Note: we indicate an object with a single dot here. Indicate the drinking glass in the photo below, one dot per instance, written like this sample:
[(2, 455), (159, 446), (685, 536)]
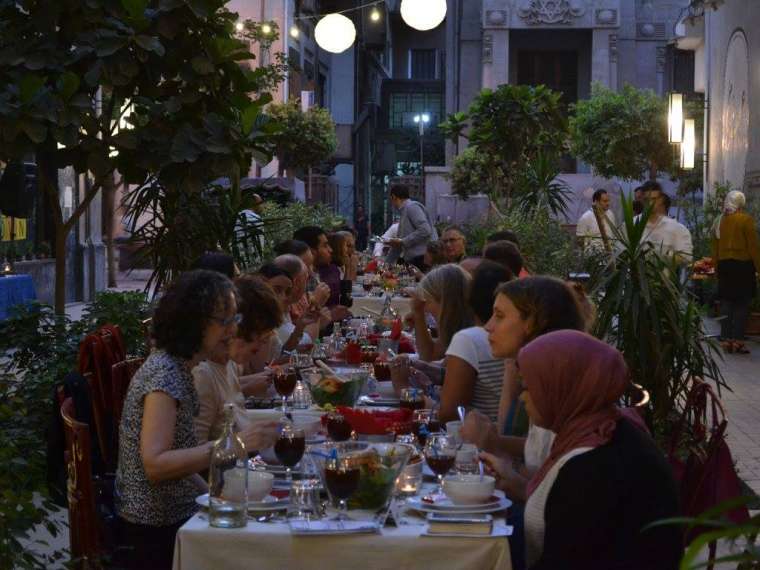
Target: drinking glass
[(305, 498), (285, 379), (289, 448), (424, 423), (342, 480), (338, 427), (440, 454), (411, 398)]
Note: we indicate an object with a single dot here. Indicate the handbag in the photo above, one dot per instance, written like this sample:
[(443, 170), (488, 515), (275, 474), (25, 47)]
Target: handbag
[(706, 476)]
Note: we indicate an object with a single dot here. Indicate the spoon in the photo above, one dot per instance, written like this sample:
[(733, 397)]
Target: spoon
[(460, 412), (480, 470)]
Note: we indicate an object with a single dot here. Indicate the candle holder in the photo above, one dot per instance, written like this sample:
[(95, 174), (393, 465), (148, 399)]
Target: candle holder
[(409, 481), (7, 268)]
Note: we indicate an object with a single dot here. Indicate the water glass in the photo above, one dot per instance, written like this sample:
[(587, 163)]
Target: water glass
[(304, 499)]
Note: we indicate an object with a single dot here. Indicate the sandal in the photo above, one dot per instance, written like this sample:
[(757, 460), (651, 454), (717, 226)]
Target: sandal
[(740, 348)]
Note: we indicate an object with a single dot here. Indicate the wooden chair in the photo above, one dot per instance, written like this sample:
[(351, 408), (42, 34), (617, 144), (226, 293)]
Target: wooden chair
[(121, 375), (83, 522)]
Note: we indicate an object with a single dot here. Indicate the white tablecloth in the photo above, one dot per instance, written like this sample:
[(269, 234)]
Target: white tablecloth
[(402, 305), (270, 546)]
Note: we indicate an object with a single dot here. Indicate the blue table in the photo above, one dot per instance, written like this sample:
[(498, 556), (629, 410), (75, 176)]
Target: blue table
[(14, 290)]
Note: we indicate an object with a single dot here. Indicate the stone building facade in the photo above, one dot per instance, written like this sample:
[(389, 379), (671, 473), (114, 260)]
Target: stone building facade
[(565, 44)]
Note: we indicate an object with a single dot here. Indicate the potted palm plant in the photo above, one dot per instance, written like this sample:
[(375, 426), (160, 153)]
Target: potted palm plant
[(646, 311)]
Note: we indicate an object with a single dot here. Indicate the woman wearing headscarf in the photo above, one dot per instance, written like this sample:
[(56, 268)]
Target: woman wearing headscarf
[(604, 480), (737, 259)]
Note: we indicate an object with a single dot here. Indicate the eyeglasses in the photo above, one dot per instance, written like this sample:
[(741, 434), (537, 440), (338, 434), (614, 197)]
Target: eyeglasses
[(225, 322), (452, 240)]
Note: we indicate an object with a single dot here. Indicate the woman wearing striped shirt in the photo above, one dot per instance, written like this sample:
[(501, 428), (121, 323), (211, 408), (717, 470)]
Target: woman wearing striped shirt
[(473, 375)]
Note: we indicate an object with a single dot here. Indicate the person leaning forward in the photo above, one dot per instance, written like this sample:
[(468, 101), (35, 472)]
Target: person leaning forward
[(415, 229)]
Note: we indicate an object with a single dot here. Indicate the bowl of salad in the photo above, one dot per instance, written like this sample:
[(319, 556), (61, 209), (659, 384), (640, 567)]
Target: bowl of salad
[(337, 390)]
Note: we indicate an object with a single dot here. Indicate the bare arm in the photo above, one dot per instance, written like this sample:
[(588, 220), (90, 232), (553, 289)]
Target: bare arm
[(161, 462), (458, 387)]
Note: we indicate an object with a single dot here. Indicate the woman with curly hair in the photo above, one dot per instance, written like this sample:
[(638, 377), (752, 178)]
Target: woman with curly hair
[(157, 479)]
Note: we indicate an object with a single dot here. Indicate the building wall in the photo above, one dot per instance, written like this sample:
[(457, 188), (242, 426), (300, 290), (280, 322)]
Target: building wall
[(732, 49)]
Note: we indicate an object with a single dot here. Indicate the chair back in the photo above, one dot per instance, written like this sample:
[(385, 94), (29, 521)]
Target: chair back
[(83, 523), (98, 352), (121, 375)]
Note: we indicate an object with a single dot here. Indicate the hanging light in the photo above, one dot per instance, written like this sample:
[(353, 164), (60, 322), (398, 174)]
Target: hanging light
[(239, 26), (423, 14), (689, 144), (266, 29), (374, 15), (294, 32), (335, 33), (675, 118)]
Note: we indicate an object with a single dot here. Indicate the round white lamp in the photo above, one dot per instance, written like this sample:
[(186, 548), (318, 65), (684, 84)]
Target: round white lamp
[(423, 15), (335, 33)]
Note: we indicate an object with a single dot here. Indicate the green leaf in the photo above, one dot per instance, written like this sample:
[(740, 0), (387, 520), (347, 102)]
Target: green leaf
[(99, 163), (199, 7), (68, 84), (135, 8), (109, 45), (253, 111), (29, 87), (150, 43), (202, 65)]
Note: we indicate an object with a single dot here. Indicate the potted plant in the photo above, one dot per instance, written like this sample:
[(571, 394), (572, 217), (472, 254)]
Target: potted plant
[(43, 250)]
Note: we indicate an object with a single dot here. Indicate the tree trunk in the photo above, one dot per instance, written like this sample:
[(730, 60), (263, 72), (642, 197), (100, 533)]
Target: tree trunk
[(653, 171), (109, 226), (47, 177)]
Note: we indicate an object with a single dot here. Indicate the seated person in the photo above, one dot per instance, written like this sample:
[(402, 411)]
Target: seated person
[(218, 261), (508, 254), (157, 479), (454, 244), (605, 480), (473, 377), (218, 379), (503, 235)]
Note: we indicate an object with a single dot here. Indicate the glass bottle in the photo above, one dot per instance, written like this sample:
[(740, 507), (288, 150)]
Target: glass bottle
[(387, 315), (228, 477)]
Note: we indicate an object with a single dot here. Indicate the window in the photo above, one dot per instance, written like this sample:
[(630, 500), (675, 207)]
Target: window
[(423, 64), (404, 106)]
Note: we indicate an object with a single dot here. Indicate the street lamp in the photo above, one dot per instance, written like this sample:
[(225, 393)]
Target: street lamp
[(421, 120), (689, 145), (675, 118)]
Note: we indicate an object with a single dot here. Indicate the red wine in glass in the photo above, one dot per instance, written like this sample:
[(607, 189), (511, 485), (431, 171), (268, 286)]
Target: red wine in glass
[(338, 427), (382, 371), (412, 404), (289, 449), (433, 425), (441, 464), (342, 483), (285, 382), (367, 286)]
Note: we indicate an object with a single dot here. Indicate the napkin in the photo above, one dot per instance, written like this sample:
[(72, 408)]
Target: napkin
[(498, 531), (310, 527)]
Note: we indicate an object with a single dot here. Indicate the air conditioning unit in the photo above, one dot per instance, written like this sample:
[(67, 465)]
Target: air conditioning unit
[(308, 100)]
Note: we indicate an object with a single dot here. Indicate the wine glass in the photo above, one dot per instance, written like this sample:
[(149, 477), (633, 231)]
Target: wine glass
[(285, 379), (424, 423), (342, 480), (412, 399), (338, 427), (440, 454), (289, 448)]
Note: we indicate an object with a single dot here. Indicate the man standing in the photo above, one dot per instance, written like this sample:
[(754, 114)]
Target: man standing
[(454, 243), (587, 231), (666, 234), (415, 229), (361, 224), (249, 230)]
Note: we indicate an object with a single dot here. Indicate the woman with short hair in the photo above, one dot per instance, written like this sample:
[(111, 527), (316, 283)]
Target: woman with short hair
[(157, 478)]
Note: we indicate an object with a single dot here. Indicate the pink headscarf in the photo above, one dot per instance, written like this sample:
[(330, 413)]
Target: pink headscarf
[(575, 382)]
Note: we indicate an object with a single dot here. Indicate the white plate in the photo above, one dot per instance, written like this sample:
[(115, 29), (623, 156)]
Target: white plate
[(417, 504), (270, 503), (381, 401)]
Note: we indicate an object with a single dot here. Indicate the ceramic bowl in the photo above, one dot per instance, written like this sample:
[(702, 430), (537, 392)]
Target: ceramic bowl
[(469, 489), (259, 485)]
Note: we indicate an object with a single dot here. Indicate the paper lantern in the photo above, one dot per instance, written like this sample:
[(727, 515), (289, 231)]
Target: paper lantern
[(675, 118), (423, 15), (335, 33), (689, 144)]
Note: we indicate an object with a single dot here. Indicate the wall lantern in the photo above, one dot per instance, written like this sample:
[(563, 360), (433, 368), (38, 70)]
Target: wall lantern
[(689, 145), (675, 118), (423, 15)]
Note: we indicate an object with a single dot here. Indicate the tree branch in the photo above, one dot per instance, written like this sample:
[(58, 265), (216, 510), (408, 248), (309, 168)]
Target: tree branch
[(84, 204)]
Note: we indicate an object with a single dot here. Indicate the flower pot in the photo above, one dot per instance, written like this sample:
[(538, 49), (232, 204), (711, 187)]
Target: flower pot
[(753, 324)]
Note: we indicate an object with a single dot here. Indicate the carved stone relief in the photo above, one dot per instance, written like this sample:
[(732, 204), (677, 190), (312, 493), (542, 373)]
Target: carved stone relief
[(735, 116), (661, 58), (496, 19), (613, 48), (551, 11), (487, 48)]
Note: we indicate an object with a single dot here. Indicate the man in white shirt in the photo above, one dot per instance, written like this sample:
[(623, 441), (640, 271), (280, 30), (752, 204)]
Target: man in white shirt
[(587, 231), (666, 234)]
